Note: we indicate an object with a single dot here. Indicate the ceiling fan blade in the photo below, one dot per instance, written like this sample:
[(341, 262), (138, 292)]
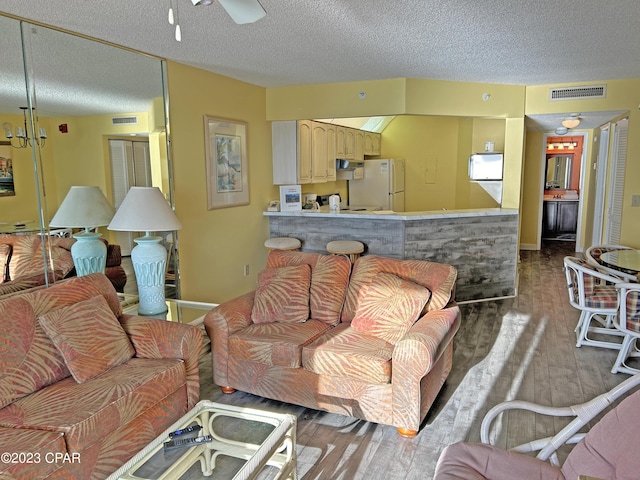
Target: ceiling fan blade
[(243, 11)]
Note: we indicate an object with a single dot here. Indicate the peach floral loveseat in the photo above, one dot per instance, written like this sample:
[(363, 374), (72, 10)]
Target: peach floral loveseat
[(84, 387), (375, 343)]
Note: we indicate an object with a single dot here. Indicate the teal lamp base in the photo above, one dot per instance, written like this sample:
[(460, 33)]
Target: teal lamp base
[(89, 253), (149, 260)]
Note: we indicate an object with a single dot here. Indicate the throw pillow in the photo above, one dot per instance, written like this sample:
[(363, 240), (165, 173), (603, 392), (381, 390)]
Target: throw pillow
[(5, 253), (282, 295), (389, 306), (88, 336)]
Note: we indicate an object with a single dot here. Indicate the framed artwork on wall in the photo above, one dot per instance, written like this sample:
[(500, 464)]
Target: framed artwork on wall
[(226, 162), (7, 187)]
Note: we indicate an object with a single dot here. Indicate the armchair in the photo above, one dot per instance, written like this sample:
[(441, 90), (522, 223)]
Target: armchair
[(593, 254), (605, 452), (594, 294), (627, 322)]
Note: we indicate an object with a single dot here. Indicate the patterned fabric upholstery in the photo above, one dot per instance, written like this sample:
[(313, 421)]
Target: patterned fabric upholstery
[(18, 440), (329, 280), (344, 352), (389, 306), (87, 356), (275, 343), (602, 296), (633, 311), (438, 278), (282, 295), (110, 417), (338, 369)]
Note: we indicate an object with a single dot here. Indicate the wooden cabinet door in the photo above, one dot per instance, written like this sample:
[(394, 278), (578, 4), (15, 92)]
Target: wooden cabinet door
[(340, 142), (368, 143), (549, 218), (349, 143), (375, 144), (318, 152), (331, 152), (567, 217), (358, 152), (304, 151)]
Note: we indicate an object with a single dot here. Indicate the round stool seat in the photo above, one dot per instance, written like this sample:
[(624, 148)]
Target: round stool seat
[(283, 243), (349, 248)]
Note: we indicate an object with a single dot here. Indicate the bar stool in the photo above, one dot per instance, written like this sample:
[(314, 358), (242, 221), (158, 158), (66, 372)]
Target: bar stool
[(348, 248), (283, 243)]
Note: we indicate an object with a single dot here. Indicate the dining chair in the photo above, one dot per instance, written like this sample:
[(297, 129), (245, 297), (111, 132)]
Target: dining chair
[(628, 323), (607, 450), (594, 294), (593, 254)]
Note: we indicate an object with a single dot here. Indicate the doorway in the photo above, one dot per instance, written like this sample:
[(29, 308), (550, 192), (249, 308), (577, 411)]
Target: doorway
[(562, 187)]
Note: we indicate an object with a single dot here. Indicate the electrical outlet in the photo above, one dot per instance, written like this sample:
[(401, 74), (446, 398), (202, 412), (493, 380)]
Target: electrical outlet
[(245, 270), (635, 200)]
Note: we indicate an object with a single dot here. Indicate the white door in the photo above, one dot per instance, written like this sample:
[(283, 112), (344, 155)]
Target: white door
[(397, 178), (601, 185), (130, 166), (616, 190)]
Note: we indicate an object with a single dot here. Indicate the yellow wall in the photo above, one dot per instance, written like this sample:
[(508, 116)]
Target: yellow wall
[(214, 245)]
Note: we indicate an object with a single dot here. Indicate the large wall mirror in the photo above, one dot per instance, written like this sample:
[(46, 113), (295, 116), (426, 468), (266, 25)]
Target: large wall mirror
[(102, 110)]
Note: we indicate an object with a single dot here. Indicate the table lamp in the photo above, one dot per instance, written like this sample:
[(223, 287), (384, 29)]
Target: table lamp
[(144, 209), (85, 207)]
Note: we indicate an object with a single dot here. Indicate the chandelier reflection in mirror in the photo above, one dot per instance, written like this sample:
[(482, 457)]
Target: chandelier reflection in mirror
[(22, 133)]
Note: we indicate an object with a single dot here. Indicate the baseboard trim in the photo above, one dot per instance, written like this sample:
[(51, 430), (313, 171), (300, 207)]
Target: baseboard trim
[(529, 246)]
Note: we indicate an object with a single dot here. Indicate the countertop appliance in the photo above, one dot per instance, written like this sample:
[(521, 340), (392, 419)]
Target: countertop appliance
[(382, 185)]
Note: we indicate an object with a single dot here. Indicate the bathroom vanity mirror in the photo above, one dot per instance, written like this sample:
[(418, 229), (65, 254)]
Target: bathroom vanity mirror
[(558, 171)]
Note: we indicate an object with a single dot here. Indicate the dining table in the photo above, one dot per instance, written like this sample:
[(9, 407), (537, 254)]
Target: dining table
[(627, 260)]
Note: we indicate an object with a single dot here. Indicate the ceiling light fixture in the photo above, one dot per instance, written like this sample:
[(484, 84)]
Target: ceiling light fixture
[(572, 121), (22, 133), (561, 130)]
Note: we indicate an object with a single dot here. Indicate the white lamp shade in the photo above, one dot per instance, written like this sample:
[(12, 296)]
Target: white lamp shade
[(144, 209), (83, 207)]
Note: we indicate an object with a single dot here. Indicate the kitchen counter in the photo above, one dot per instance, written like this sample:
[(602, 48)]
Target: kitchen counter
[(481, 243)]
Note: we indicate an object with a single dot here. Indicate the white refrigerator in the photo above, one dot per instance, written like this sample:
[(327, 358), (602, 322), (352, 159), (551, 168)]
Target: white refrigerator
[(382, 185)]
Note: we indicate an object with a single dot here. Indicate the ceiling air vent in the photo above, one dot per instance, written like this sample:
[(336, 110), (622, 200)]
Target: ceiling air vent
[(124, 120), (577, 93)]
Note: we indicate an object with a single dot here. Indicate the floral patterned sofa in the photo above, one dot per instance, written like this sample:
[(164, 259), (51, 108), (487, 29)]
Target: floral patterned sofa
[(83, 386), (374, 343), (21, 262)]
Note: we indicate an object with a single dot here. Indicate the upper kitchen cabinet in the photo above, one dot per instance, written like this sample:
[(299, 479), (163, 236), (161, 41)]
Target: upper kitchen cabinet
[(332, 152), (371, 143), (358, 149), (349, 143), (303, 152), (340, 141)]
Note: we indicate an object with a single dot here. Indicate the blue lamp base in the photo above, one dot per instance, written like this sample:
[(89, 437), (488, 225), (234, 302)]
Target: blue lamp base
[(149, 260), (89, 253)]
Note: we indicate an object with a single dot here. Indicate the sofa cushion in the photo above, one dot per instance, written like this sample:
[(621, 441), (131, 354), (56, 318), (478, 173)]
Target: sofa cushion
[(282, 295), (88, 355), (344, 352), (437, 277), (329, 280), (388, 307), (5, 253), (87, 412), (37, 450), (275, 343)]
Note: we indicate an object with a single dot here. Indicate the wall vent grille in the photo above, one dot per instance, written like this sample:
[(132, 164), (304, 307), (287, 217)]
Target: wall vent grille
[(577, 93), (131, 120)]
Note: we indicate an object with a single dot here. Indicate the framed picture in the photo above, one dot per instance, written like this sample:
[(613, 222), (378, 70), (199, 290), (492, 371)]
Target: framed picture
[(226, 160), (7, 188)]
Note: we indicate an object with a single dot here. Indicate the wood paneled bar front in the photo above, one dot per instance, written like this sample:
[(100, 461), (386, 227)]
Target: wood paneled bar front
[(481, 243)]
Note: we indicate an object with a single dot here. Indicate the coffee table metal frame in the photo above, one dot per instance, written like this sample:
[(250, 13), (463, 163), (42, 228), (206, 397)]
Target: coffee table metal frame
[(278, 449)]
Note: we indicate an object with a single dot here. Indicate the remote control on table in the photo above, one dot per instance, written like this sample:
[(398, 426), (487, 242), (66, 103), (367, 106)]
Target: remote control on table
[(192, 428), (187, 442)]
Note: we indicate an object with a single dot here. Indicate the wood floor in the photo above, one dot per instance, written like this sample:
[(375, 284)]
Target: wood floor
[(518, 348)]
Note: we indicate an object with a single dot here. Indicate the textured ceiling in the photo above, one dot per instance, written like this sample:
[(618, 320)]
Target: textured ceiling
[(302, 42)]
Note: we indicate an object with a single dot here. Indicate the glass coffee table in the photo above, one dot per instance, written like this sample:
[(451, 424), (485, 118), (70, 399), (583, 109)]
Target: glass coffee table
[(244, 443)]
